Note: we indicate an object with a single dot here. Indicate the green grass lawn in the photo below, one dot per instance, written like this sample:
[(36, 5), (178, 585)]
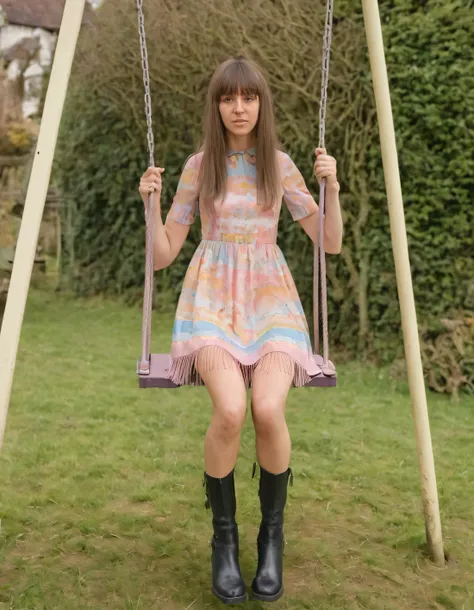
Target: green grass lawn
[(102, 504)]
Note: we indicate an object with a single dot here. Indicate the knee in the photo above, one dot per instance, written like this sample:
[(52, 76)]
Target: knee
[(267, 415), (228, 421)]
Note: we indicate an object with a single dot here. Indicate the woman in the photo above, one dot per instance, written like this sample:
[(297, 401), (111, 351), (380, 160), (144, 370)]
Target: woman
[(239, 320)]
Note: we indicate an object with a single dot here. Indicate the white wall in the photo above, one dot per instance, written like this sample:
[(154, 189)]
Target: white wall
[(33, 73)]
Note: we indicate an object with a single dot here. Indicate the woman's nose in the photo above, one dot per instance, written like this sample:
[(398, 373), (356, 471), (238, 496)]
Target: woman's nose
[(239, 105)]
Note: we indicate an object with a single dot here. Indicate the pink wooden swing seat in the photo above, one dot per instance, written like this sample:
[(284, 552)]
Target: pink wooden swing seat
[(160, 364)]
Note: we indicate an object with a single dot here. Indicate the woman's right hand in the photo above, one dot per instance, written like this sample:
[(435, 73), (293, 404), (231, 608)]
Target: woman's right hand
[(151, 182)]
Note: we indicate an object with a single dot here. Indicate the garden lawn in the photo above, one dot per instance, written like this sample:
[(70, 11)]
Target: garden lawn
[(101, 498)]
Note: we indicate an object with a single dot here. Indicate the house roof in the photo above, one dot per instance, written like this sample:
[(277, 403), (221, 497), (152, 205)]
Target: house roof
[(44, 14)]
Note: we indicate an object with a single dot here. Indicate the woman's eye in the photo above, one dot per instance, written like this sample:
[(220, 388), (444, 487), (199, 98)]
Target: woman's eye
[(250, 98)]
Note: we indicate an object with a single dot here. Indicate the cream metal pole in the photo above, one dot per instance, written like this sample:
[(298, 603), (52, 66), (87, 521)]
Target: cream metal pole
[(35, 199), (404, 282)]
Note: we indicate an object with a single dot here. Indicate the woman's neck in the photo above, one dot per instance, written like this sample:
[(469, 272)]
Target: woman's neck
[(240, 142)]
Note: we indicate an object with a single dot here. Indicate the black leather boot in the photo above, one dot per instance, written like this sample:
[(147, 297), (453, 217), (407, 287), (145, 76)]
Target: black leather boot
[(227, 582), (268, 583)]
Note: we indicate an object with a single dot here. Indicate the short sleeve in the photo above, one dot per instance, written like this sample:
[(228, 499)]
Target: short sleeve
[(183, 208), (297, 197)]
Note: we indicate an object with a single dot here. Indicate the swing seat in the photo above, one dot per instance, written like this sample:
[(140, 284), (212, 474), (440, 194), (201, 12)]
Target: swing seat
[(160, 365)]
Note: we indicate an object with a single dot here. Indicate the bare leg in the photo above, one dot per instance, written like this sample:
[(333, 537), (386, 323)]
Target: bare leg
[(225, 384), (223, 379), (270, 385)]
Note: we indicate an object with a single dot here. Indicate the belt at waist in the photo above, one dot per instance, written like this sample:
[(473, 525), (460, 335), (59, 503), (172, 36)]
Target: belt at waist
[(237, 238)]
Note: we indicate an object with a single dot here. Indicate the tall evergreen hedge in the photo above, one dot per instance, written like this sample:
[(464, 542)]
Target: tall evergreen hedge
[(102, 150)]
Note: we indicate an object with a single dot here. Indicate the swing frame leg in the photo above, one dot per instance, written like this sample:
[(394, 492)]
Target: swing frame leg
[(35, 200), (416, 381)]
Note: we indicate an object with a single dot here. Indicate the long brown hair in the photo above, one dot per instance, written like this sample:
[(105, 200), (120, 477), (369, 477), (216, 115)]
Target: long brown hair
[(238, 75)]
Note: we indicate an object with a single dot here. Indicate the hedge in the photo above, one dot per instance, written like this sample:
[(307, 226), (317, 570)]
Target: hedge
[(102, 149)]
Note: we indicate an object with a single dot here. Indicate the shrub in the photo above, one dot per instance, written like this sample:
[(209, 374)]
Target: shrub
[(103, 146)]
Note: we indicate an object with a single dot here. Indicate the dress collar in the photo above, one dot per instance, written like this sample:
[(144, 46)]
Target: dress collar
[(248, 151)]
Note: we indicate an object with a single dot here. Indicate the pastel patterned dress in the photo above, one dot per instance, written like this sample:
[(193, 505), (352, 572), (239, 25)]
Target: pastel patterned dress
[(238, 292)]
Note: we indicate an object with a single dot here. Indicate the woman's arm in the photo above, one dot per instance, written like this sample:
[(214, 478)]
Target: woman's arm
[(169, 237), (304, 208), (326, 167), (332, 222), (168, 240)]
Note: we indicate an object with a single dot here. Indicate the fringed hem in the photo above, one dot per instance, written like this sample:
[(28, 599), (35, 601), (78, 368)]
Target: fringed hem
[(183, 369)]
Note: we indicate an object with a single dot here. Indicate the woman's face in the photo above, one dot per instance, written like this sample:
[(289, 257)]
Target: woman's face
[(239, 113)]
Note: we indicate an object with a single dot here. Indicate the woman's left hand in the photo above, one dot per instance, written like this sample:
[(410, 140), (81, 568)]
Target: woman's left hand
[(325, 167)]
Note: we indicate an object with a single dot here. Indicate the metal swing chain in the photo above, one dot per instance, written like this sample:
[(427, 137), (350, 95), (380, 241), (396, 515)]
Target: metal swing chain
[(146, 82), (319, 253), (144, 367)]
